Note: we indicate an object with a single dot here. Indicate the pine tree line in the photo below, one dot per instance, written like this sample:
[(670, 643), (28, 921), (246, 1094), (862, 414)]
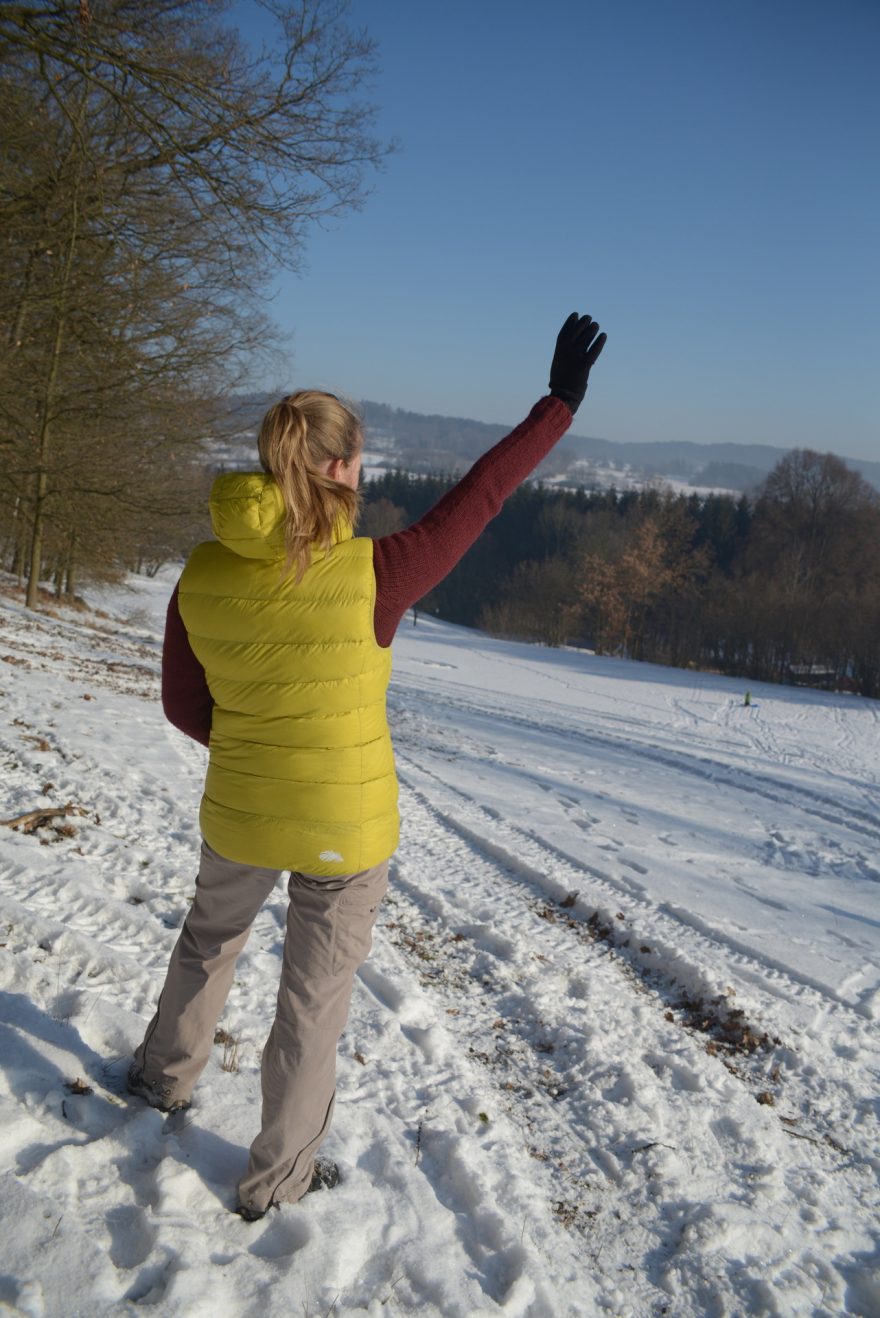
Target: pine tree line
[(782, 586)]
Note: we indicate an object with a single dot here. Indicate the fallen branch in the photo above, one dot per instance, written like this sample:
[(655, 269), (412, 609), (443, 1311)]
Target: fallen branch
[(31, 820)]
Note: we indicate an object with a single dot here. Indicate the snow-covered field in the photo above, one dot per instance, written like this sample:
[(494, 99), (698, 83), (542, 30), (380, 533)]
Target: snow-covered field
[(615, 1050)]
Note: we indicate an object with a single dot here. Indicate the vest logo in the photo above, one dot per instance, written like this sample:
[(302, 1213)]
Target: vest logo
[(330, 855)]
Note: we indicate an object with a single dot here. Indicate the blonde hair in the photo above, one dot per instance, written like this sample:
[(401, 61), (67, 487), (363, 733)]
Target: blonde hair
[(297, 436)]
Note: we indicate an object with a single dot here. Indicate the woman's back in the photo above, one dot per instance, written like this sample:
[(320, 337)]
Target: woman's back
[(301, 774)]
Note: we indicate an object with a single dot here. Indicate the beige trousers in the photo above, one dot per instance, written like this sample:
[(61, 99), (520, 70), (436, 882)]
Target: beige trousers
[(329, 928)]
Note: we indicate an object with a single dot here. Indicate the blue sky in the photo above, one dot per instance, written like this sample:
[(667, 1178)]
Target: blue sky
[(699, 175)]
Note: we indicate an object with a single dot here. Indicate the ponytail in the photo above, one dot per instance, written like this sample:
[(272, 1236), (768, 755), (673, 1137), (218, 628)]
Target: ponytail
[(297, 435)]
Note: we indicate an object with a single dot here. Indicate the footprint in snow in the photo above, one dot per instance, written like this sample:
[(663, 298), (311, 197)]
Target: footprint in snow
[(484, 937), (606, 843), (381, 987), (285, 1233), (131, 1236), (634, 865), (681, 1077)]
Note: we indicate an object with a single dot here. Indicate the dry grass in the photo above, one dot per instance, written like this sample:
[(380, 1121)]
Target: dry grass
[(230, 1049)]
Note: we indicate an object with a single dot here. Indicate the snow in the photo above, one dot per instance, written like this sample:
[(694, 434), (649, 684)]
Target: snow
[(585, 473), (614, 1052)]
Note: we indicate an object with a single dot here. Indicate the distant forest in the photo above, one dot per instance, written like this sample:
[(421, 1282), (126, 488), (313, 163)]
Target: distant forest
[(783, 586)]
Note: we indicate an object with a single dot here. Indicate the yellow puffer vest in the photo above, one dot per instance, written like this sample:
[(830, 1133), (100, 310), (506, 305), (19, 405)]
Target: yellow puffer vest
[(301, 772)]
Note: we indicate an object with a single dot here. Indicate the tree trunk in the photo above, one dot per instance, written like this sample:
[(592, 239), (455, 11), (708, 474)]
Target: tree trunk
[(13, 544), (33, 586), (70, 581), (45, 435)]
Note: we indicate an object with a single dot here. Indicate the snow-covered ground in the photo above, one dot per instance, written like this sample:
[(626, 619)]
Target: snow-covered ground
[(615, 1050)]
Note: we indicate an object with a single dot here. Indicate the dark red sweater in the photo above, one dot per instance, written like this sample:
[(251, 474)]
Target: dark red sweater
[(407, 564)]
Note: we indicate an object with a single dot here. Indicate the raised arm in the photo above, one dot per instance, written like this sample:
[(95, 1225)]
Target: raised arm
[(410, 563)]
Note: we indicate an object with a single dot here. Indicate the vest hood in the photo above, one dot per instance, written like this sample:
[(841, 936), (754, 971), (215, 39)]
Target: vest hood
[(247, 515)]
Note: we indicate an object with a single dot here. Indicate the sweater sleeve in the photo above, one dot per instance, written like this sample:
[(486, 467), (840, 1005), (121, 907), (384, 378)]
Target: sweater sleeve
[(410, 563), (186, 700)]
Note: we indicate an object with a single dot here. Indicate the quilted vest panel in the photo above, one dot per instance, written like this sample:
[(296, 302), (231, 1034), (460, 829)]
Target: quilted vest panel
[(301, 770)]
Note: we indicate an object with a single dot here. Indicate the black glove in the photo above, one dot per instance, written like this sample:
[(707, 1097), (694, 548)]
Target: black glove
[(576, 351)]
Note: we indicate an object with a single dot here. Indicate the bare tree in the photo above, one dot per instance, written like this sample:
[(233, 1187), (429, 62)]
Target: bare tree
[(381, 517), (539, 602), (155, 173), (815, 542)]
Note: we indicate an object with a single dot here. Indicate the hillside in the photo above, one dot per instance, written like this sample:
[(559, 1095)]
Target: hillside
[(418, 442), (615, 1050)]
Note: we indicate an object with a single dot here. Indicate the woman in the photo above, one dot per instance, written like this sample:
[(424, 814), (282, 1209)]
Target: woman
[(277, 656)]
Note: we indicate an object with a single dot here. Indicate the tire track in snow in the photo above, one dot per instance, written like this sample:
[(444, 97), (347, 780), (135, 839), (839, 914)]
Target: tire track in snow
[(534, 857), (805, 799), (638, 1098), (765, 737), (670, 954), (124, 927), (94, 945)]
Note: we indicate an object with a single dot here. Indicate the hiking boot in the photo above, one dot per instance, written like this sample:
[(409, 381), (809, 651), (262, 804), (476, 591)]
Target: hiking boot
[(324, 1177), (157, 1098)]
